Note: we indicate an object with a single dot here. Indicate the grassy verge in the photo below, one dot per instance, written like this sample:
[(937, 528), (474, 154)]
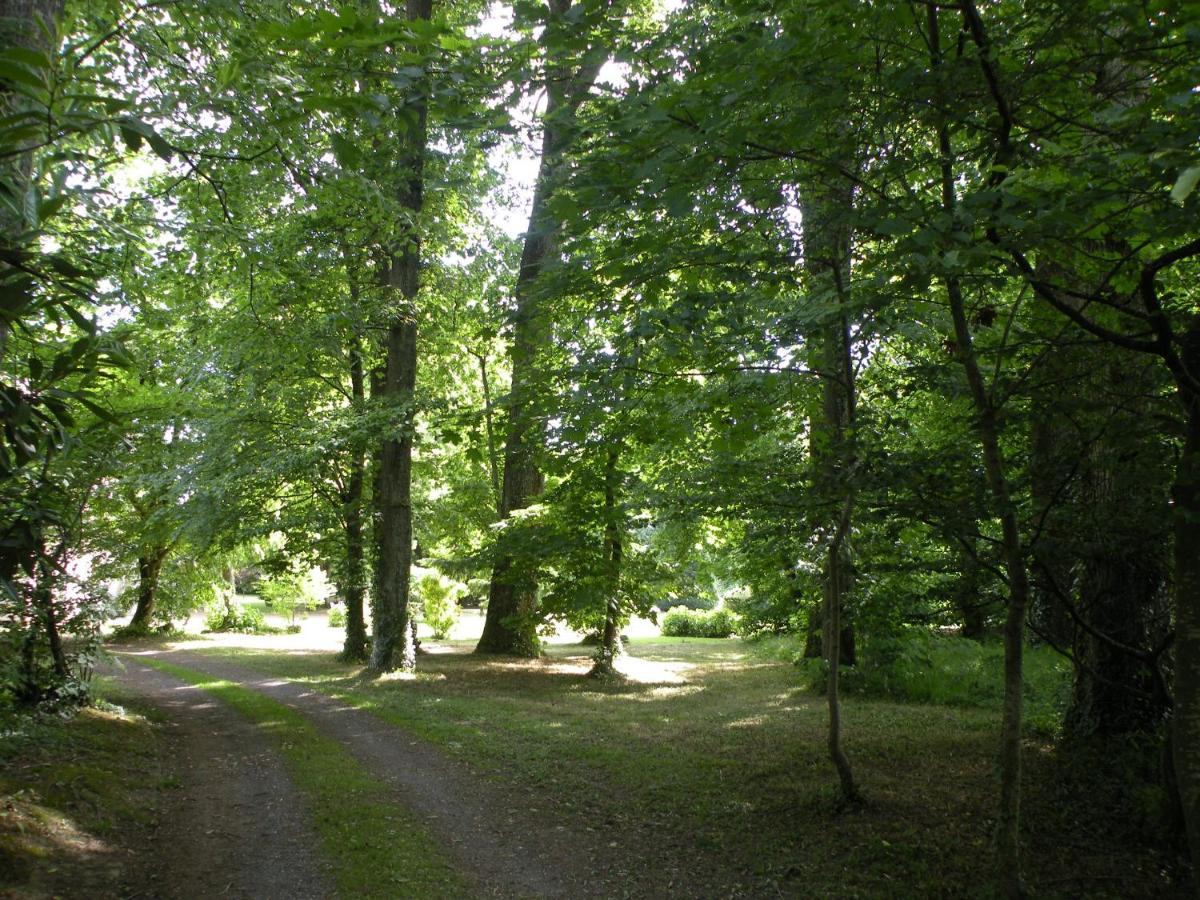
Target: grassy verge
[(74, 793), (379, 850), (713, 765)]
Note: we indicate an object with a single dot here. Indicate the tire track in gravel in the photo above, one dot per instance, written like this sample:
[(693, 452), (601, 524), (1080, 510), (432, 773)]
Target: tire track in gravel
[(236, 826), (489, 830)]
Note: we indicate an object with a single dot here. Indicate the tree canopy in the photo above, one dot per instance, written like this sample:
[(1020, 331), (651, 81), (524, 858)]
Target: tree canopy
[(857, 320)]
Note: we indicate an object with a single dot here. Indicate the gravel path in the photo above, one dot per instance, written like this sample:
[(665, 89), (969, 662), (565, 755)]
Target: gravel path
[(236, 827), (491, 832)]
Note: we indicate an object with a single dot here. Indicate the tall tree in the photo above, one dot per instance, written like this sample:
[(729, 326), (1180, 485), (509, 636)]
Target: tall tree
[(511, 626), (827, 212), (394, 646)]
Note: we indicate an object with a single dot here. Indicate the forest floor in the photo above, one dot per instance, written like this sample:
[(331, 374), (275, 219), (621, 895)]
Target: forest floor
[(702, 774)]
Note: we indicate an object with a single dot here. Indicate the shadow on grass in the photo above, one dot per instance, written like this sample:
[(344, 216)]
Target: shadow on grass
[(722, 769)]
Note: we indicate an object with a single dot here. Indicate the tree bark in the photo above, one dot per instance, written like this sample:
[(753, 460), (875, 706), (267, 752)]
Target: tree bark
[(394, 647), (610, 638), (149, 569), (510, 626), (1185, 723), (826, 211), (43, 601), (354, 649)]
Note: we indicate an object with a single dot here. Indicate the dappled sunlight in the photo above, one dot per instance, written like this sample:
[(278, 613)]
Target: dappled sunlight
[(393, 677), (550, 665), (650, 671), (748, 722), (30, 828)]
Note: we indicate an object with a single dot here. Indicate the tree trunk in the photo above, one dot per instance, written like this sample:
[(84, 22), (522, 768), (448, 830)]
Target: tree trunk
[(510, 626), (610, 638), (354, 649), (1114, 691), (1008, 823), (1050, 470), (972, 609), (393, 647), (1008, 820), (1186, 715), (826, 212), (43, 601), (149, 568), (1100, 493)]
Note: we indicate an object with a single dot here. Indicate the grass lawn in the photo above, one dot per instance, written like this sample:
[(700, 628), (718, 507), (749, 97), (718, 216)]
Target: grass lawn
[(711, 762)]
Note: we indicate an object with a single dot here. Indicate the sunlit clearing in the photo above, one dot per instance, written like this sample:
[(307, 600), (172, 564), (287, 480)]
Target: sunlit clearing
[(398, 675), (646, 671)]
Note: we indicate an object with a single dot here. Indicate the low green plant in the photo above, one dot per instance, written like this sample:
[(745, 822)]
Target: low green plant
[(165, 632), (337, 616), (288, 594), (438, 597), (685, 601), (236, 618), (921, 666), (765, 613), (680, 621)]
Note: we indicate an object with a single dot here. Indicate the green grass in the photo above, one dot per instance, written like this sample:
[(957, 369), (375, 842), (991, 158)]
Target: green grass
[(719, 767), (67, 784), (923, 667), (378, 849)]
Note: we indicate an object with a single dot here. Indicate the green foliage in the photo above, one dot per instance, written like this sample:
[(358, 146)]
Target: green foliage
[(237, 618), (685, 601), (437, 597), (337, 616), (923, 667), (683, 622), (758, 613), (165, 632), (288, 594)]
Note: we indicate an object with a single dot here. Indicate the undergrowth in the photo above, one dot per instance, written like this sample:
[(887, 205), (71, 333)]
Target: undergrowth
[(919, 666)]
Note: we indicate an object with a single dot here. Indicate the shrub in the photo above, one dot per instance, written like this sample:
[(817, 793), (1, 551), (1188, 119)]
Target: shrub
[(242, 619), (765, 613), (438, 598), (288, 593), (685, 602), (682, 622), (167, 632), (337, 616)]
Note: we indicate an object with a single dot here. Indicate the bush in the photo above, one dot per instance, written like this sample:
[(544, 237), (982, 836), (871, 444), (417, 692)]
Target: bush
[(685, 602), (288, 593), (682, 622), (166, 632), (241, 619), (337, 616), (765, 613), (438, 599)]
